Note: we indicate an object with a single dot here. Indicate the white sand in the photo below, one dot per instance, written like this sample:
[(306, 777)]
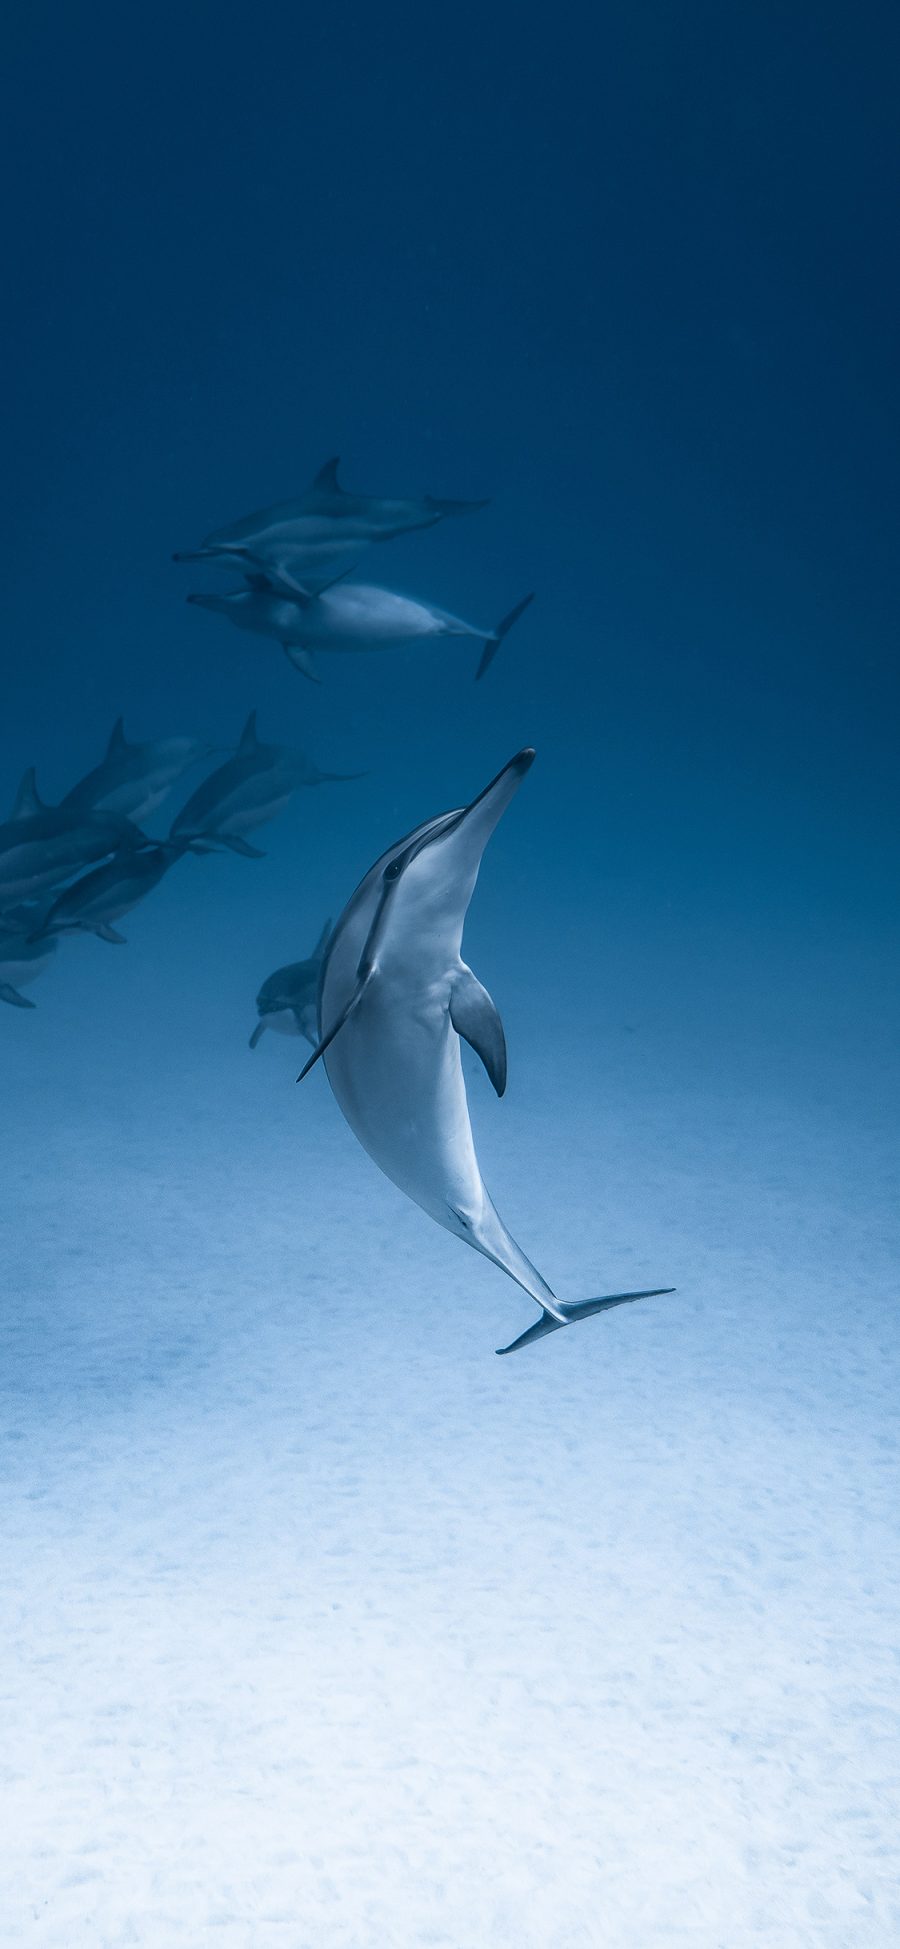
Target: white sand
[(323, 1628)]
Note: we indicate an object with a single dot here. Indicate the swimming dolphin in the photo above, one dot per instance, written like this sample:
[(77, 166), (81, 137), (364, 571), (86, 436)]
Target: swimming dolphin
[(134, 778), (253, 786), (394, 1000), (41, 846), (288, 1000), (347, 616), (311, 536), (21, 958), (93, 903)]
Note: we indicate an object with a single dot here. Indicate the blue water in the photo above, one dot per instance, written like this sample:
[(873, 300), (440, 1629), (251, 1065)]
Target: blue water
[(323, 1626)]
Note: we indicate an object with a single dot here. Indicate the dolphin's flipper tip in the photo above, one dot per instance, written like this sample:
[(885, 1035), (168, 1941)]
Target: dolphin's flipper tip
[(581, 1309)]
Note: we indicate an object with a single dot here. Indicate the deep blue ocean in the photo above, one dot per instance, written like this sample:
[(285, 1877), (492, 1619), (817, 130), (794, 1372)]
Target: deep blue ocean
[(323, 1627)]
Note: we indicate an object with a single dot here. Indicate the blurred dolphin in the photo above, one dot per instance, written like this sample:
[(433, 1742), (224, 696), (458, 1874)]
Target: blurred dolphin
[(347, 616), (288, 1000), (310, 536), (253, 786), (41, 846), (394, 1000), (134, 778), (93, 903), (21, 958)]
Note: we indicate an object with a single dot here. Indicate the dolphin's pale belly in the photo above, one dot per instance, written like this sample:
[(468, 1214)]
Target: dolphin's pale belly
[(242, 814), (395, 1070), (28, 966), (360, 617), (134, 799)]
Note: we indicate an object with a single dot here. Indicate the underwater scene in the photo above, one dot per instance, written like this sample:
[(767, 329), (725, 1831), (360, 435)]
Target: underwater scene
[(448, 897)]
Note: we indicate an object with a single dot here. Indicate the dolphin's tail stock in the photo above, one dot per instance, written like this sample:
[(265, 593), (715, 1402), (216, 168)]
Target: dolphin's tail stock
[(493, 642), (581, 1309), (441, 509)]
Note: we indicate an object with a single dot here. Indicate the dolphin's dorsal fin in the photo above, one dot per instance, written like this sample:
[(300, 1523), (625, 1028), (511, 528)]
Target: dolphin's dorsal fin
[(27, 802), (326, 480), (322, 942), (117, 738), (475, 1018), (249, 739)]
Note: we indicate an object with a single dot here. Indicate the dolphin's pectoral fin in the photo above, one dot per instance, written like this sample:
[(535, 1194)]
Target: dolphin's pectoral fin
[(238, 845), (581, 1309), (259, 1030), (10, 994), (302, 660), (336, 1027), (264, 574), (475, 1018), (104, 932)]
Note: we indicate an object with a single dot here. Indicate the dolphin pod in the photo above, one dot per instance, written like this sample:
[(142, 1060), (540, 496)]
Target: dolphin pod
[(395, 999), (78, 867)]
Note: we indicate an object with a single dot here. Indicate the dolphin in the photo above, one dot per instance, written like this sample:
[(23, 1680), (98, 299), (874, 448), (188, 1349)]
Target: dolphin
[(41, 846), (253, 786), (323, 528), (347, 616), (21, 958), (134, 778), (288, 1000), (93, 903), (395, 998)]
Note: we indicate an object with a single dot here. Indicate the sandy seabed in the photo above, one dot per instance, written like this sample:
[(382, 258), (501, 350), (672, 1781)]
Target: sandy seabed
[(324, 1628)]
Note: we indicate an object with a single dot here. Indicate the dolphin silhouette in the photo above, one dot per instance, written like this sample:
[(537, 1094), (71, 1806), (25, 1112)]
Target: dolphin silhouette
[(253, 786), (21, 958), (288, 999), (324, 527), (41, 845), (394, 1000), (346, 616), (134, 778), (91, 905)]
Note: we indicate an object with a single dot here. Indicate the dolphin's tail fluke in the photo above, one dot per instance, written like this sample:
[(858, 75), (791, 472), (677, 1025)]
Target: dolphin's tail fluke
[(582, 1309), (503, 628)]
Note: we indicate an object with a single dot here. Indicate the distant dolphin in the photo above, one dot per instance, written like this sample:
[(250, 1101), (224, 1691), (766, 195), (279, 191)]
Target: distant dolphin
[(288, 1000), (93, 903), (135, 778), (21, 958), (394, 1000), (252, 787), (311, 536), (347, 616), (41, 846)]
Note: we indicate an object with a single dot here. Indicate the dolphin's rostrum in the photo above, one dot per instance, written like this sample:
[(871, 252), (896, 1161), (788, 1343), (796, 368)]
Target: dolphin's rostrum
[(395, 998), (288, 999)]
